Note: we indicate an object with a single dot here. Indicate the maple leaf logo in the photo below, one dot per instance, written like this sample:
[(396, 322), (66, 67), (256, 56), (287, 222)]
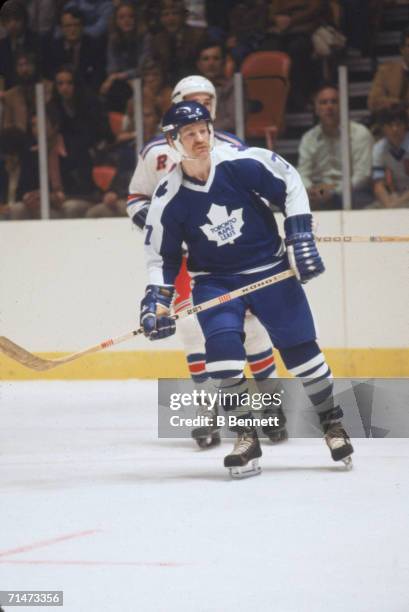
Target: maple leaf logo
[(162, 189), (223, 228)]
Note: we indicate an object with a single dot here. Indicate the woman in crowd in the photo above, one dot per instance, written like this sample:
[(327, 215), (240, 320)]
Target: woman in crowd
[(83, 128), (128, 49)]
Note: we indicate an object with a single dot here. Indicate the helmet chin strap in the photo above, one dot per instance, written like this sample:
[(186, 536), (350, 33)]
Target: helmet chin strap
[(178, 157), (178, 152)]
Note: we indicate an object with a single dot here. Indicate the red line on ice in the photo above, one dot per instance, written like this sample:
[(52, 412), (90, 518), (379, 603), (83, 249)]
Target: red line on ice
[(44, 543), (75, 562)]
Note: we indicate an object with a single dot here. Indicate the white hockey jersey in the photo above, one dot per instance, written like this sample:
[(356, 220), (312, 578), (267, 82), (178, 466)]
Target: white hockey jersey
[(154, 162)]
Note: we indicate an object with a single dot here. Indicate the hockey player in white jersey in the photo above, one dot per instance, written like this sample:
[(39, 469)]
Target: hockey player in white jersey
[(216, 201), (156, 159)]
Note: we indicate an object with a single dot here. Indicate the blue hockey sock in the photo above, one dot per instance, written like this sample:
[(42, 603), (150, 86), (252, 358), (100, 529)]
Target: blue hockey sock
[(225, 359), (225, 355)]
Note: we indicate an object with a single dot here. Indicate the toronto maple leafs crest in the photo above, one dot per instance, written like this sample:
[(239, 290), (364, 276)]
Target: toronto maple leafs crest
[(224, 228)]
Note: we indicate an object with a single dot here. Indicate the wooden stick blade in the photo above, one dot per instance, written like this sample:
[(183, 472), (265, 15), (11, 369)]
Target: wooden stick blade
[(18, 353), (33, 362)]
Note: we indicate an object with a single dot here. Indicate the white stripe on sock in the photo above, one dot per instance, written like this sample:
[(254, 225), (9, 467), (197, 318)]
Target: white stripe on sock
[(304, 367), (215, 366), (324, 368)]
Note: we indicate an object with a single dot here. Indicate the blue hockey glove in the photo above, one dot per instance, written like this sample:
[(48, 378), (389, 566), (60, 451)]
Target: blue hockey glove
[(155, 318), (301, 248)]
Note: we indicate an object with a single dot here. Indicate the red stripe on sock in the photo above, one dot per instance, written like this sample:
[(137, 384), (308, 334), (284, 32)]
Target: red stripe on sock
[(198, 367), (257, 366)]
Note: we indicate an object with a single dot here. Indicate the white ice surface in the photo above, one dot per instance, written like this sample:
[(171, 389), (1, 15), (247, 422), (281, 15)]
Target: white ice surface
[(94, 504)]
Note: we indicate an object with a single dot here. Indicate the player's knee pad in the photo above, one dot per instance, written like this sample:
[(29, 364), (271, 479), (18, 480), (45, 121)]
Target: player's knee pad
[(225, 354), (194, 345), (257, 339), (191, 335)]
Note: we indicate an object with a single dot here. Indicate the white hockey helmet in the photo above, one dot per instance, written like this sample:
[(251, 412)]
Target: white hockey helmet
[(195, 84)]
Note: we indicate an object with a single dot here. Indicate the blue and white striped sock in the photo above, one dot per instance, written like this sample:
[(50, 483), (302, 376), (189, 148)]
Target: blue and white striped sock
[(308, 363)]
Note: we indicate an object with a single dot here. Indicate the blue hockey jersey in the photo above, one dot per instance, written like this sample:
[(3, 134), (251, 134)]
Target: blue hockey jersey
[(226, 222)]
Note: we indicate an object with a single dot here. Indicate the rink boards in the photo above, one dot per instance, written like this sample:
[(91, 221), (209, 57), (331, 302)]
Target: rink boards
[(66, 285)]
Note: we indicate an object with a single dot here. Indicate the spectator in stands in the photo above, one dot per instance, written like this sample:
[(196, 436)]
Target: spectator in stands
[(18, 38), (19, 102), (155, 87), (247, 22), (96, 15), (128, 49), (390, 159), (11, 146), (115, 198), (320, 156), (355, 17), (218, 18), (112, 205), (391, 83), (289, 29), (21, 152), (83, 128), (152, 114), (211, 63), (42, 16), (77, 49), (174, 46), (329, 44)]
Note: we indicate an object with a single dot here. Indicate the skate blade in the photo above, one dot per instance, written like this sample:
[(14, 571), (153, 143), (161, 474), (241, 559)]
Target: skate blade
[(245, 471), (348, 463)]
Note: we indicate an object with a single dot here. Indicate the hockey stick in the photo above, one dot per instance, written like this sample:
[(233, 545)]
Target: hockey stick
[(347, 239), (27, 359)]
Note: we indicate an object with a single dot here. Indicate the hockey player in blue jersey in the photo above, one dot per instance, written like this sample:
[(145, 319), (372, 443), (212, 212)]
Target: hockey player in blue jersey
[(217, 202), (154, 162)]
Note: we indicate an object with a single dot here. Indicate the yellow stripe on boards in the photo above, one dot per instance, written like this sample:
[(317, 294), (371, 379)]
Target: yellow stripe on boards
[(121, 365)]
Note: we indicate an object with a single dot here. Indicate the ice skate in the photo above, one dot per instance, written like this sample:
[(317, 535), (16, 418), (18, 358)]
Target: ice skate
[(242, 462), (276, 433), (207, 435), (339, 443)]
